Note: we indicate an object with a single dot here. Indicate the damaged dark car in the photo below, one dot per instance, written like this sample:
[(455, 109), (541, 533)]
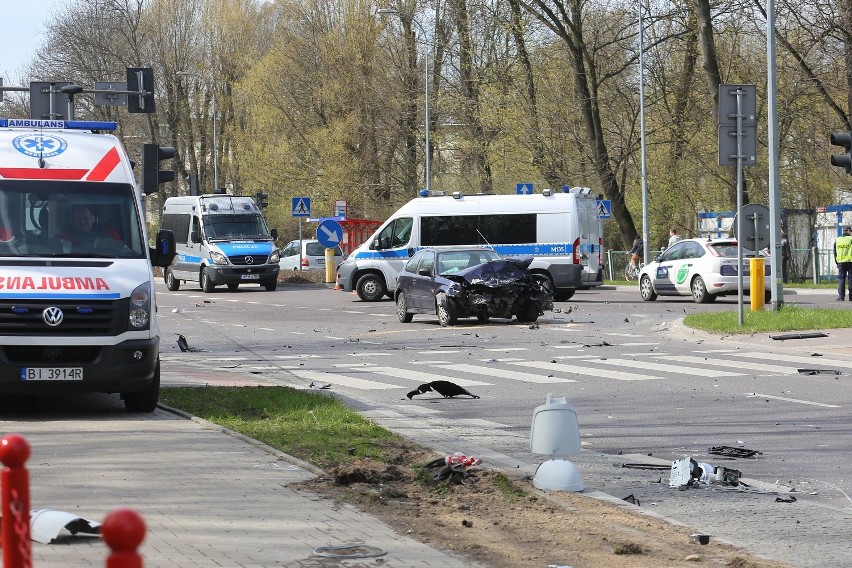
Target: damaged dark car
[(469, 282)]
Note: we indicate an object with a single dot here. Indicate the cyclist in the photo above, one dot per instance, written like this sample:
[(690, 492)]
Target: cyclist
[(636, 253)]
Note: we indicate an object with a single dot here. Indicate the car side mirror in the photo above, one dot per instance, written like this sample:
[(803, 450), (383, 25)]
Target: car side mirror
[(274, 233), (410, 252), (424, 272), (165, 251), (375, 245)]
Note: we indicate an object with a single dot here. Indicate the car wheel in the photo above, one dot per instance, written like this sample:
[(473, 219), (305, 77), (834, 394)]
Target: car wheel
[(206, 284), (528, 313), (402, 309), (172, 283), (370, 287), (271, 285), (233, 287), (699, 291), (146, 399), (563, 295), (646, 289), (767, 298), (446, 308)]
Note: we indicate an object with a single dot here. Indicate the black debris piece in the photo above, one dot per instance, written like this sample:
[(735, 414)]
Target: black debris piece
[(447, 389), (646, 466), (818, 372), (791, 499), (798, 336), (631, 499), (184, 346), (733, 452)]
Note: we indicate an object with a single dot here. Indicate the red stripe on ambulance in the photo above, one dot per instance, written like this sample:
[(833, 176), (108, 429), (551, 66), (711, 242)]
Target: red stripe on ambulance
[(39, 173), (103, 168)]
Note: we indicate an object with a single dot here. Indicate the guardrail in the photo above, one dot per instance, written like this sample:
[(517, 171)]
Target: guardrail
[(123, 529)]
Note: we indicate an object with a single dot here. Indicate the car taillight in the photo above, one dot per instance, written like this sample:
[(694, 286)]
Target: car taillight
[(576, 252), (304, 261)]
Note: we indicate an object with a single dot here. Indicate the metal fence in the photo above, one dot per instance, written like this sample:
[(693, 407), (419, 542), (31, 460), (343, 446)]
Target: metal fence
[(805, 265)]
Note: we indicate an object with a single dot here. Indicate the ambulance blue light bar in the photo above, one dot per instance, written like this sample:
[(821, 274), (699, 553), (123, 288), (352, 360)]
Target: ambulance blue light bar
[(58, 124)]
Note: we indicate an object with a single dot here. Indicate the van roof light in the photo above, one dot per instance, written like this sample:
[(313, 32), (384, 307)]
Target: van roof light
[(457, 195), (547, 192)]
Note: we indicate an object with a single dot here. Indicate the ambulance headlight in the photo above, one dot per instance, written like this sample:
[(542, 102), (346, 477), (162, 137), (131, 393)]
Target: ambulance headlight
[(218, 258), (140, 307), (274, 257)]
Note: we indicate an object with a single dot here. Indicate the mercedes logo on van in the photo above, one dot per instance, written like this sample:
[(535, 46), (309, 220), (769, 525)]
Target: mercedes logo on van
[(249, 260), (52, 316)]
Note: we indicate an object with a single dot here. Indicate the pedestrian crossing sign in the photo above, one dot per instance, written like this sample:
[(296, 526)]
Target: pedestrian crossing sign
[(604, 208), (301, 207)]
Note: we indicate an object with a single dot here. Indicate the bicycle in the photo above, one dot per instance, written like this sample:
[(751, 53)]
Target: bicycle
[(631, 272)]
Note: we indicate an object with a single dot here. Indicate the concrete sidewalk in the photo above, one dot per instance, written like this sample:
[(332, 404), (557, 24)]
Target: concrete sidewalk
[(208, 499)]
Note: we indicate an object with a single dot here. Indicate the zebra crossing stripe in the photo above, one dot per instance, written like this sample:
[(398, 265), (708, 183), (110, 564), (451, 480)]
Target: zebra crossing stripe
[(811, 361), (649, 366), (504, 373), (735, 364), (586, 371), (343, 380), (422, 377)]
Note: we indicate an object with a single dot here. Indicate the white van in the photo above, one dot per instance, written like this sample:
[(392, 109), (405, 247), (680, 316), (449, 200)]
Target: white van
[(76, 278), (221, 240), (562, 231)]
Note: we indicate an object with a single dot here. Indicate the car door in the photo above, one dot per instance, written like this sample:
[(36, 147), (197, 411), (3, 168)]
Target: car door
[(665, 271), (421, 296), (688, 264)]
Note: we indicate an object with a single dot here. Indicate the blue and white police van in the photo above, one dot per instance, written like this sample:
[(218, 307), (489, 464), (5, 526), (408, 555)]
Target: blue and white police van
[(561, 231), (221, 239)]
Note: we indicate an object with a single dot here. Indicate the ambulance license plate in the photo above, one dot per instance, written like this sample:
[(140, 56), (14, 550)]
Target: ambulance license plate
[(52, 374), (250, 277)]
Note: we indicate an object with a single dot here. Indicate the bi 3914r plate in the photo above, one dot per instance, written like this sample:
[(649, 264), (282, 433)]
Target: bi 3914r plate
[(52, 374)]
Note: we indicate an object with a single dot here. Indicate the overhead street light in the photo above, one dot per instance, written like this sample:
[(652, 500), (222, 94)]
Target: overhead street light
[(396, 12), (215, 139)]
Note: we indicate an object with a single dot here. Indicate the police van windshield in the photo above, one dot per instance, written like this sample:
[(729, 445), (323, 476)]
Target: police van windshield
[(228, 227), (69, 219)]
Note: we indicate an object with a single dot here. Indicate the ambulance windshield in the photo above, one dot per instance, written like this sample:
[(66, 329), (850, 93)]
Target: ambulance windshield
[(69, 219), (230, 227)]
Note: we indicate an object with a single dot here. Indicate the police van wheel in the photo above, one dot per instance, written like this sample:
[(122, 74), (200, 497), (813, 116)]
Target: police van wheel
[(233, 286), (206, 284), (271, 285), (172, 283), (370, 288), (563, 295), (146, 399), (545, 283)]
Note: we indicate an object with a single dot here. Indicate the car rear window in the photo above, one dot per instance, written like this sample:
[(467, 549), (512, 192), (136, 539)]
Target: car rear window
[(729, 250), (316, 249)]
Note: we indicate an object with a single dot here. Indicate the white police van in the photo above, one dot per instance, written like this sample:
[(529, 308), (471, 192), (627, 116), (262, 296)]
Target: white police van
[(77, 308), (221, 239), (562, 231)]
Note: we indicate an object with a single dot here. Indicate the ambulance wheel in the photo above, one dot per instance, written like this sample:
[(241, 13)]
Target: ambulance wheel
[(146, 399), (233, 286), (271, 285), (370, 287), (172, 283), (206, 283)]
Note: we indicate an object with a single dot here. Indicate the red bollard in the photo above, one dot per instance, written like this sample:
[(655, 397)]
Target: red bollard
[(15, 531), (123, 530)]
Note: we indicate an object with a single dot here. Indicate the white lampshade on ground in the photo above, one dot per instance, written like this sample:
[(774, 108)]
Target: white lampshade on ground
[(556, 432)]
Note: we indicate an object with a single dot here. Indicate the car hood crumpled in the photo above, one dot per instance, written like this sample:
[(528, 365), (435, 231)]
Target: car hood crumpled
[(503, 282)]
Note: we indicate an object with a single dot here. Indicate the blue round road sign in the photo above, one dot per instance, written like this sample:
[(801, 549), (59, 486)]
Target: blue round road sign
[(329, 233)]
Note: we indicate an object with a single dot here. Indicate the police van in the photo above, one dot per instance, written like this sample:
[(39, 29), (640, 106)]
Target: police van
[(77, 307), (561, 231), (221, 239)]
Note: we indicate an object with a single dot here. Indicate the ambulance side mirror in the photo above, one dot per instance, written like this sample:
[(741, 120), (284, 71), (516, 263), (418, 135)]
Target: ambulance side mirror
[(165, 251)]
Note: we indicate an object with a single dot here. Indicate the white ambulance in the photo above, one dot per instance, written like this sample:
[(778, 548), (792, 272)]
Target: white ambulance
[(77, 308), (561, 231)]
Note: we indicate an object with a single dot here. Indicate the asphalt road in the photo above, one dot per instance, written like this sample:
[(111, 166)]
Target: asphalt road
[(646, 391)]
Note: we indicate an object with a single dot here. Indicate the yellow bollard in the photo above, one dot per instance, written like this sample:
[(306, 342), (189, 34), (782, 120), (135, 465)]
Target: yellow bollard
[(330, 269), (757, 291)]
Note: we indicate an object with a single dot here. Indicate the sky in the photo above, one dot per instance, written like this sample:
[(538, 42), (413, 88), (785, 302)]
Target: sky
[(23, 25)]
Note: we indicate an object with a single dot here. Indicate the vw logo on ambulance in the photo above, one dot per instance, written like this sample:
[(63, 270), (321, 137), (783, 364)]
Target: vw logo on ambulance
[(52, 316)]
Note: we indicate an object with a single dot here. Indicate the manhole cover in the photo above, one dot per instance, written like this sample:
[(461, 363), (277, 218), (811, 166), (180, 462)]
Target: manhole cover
[(349, 551)]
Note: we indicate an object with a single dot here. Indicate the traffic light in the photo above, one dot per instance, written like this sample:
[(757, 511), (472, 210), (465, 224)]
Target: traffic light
[(843, 160), (262, 200), (152, 175)]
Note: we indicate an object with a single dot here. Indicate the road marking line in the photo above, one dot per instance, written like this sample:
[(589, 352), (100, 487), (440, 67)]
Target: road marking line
[(507, 349), (343, 380), (423, 377), (371, 354), (728, 363), (589, 372), (758, 395), (441, 352), (298, 356), (680, 370), (504, 374), (812, 361)]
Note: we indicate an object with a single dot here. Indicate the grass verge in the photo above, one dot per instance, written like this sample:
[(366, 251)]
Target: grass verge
[(788, 318), (308, 425)]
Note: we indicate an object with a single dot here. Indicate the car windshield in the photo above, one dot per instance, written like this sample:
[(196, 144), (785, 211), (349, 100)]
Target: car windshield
[(232, 227), (452, 262), (69, 219)]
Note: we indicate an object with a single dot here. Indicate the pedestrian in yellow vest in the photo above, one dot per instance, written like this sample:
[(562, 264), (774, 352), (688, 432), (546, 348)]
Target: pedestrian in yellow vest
[(843, 258)]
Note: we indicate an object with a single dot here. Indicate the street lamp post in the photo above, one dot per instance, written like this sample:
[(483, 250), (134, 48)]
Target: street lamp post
[(215, 139), (645, 231), (426, 93)]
